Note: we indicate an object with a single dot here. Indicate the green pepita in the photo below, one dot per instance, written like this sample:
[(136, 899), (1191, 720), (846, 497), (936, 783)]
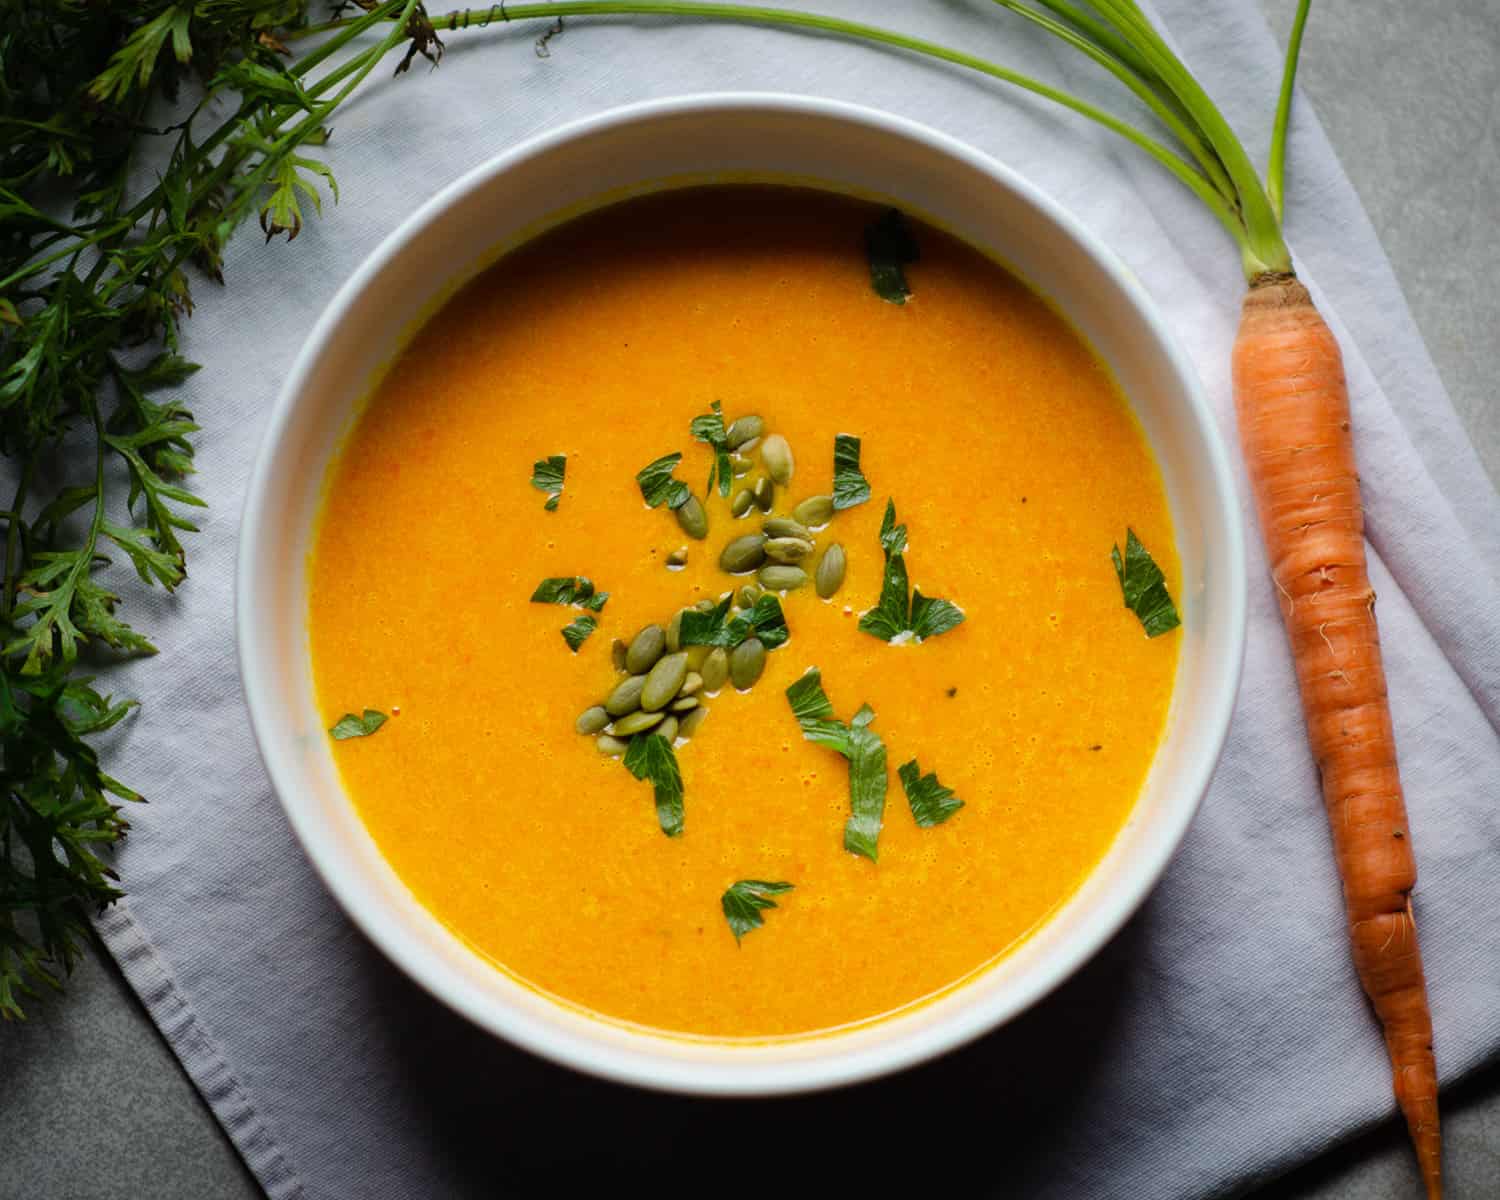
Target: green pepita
[(592, 720), (668, 729), (678, 558), (788, 549), (684, 704), (663, 681), (815, 511), (617, 653), (746, 662), (776, 456), (612, 746), (636, 722), (690, 723), (692, 684), (829, 576), (776, 577), (715, 669), (778, 527), (626, 697), (743, 502), (749, 594), (743, 554), (706, 605), (740, 464), (674, 632), (744, 429), (645, 648), (765, 494), (695, 656), (692, 518)]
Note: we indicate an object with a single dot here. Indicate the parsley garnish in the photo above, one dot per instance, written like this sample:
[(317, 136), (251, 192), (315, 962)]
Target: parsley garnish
[(897, 613), (570, 589), (857, 742), (850, 487), (547, 476), (1145, 587), (931, 802), (716, 628), (658, 486), (577, 631), (889, 245), (710, 428), (650, 756), (744, 902), (350, 726)]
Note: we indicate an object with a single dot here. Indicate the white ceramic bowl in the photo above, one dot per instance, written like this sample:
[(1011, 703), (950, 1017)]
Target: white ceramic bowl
[(698, 139)]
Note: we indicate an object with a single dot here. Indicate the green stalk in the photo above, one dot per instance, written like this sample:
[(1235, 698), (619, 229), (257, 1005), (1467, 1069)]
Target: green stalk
[(786, 18), (1143, 90), (1262, 247), (1276, 168)]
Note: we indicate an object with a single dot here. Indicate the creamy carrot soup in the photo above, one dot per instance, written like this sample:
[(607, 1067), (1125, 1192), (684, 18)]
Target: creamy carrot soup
[(495, 788)]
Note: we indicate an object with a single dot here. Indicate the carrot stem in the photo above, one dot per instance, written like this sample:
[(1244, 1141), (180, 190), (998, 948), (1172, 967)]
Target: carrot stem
[(1276, 167)]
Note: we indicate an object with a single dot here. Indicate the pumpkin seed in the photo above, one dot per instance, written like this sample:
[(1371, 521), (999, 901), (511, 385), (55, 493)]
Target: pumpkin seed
[(612, 746), (705, 605), (740, 464), (645, 648), (690, 723), (743, 554), (691, 684), (668, 729), (592, 720), (765, 494), (776, 456), (626, 697), (663, 680), (742, 430), (674, 632), (746, 662), (779, 527), (749, 594), (617, 653), (788, 549), (715, 669), (695, 656), (743, 502), (815, 511), (678, 558), (776, 577), (684, 704), (692, 518), (829, 576), (636, 722)]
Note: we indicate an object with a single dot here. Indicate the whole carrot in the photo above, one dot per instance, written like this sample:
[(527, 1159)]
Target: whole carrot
[(1293, 410)]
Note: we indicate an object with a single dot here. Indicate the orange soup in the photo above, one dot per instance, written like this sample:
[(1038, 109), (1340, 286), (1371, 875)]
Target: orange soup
[(494, 788)]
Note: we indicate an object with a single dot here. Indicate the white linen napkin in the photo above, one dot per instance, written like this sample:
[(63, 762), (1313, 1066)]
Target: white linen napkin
[(1222, 1037)]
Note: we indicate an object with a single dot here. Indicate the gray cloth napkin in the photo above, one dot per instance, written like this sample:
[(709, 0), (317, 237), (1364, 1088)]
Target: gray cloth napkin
[(1220, 1038)]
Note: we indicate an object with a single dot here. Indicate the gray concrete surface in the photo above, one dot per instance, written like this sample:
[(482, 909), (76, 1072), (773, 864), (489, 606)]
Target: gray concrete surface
[(93, 1105)]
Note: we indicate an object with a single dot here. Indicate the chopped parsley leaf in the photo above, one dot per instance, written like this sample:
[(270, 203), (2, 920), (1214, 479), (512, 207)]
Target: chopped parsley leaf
[(931, 802), (650, 757), (746, 900), (850, 487), (1144, 587), (350, 726), (857, 742)]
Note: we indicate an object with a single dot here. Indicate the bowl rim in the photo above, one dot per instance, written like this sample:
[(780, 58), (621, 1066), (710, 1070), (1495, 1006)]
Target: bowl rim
[(637, 1064)]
